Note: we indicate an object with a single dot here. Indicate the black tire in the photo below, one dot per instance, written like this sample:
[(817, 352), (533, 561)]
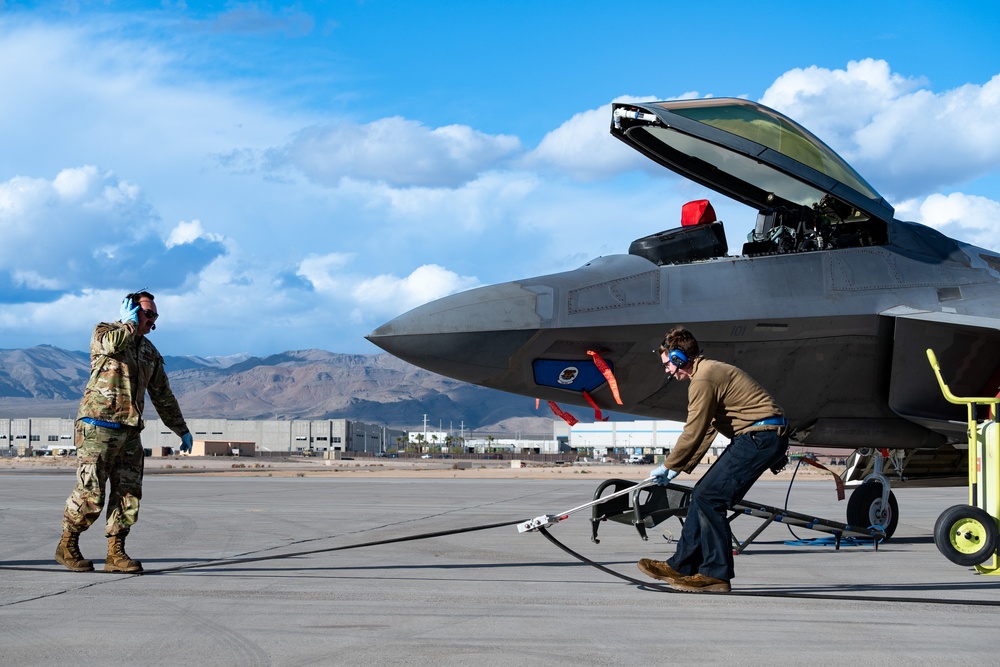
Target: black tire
[(865, 505), (966, 535)]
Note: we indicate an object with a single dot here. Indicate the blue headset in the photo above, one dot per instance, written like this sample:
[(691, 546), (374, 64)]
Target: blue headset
[(677, 358)]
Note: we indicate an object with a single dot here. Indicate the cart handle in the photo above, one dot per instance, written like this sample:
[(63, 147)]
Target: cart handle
[(950, 397)]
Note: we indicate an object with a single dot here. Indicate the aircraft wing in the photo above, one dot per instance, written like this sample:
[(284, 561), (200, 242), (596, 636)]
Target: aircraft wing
[(968, 348)]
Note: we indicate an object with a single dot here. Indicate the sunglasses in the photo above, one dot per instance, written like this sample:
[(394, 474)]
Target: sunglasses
[(149, 314)]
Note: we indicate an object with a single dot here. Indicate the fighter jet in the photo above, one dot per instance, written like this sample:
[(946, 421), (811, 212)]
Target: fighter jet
[(830, 304)]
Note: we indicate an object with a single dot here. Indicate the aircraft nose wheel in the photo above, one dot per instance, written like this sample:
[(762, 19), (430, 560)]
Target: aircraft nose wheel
[(864, 508), (966, 535)]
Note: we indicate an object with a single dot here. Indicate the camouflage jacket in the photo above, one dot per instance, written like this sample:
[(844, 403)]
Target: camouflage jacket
[(123, 367)]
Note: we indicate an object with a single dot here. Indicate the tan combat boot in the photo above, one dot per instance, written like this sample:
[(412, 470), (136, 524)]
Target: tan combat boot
[(118, 560), (68, 553)]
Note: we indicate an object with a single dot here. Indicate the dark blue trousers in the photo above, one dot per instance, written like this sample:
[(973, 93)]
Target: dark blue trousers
[(705, 545)]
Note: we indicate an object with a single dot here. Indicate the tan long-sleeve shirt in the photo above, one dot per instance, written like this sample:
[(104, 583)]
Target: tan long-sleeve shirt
[(721, 399)]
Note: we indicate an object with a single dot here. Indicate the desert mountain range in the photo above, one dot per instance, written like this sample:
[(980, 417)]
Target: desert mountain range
[(46, 381)]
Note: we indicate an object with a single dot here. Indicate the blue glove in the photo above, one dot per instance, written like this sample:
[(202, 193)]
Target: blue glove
[(186, 443), (662, 476), (128, 312)]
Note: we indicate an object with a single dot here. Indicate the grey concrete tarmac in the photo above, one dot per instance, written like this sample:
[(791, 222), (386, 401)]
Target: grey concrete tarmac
[(490, 597)]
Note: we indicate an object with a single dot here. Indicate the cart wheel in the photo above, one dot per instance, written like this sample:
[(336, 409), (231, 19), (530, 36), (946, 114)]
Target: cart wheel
[(864, 508), (966, 535)]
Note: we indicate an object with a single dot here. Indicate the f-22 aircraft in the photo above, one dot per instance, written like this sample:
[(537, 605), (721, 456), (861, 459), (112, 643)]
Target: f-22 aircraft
[(830, 304)]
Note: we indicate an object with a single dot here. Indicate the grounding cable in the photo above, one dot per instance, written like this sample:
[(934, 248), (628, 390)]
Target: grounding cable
[(645, 585)]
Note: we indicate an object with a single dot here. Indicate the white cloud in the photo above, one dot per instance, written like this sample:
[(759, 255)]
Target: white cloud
[(189, 232), (968, 218), (583, 148), (34, 281), (834, 104), (374, 296), (50, 226), (441, 213), (86, 94), (71, 184), (391, 295), (70, 318), (87, 228), (395, 151), (324, 272), (904, 139)]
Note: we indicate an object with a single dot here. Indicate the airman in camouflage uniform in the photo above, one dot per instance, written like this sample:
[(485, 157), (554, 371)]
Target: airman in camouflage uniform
[(124, 365)]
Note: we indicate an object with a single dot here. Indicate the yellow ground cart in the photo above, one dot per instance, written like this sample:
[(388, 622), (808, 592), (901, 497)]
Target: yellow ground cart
[(969, 534)]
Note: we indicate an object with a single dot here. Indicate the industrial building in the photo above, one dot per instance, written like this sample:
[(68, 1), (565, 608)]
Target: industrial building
[(621, 439), (333, 437), (25, 436)]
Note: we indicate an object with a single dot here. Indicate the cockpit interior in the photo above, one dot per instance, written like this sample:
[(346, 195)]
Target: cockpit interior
[(828, 225)]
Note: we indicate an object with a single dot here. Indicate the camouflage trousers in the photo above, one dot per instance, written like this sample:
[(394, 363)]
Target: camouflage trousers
[(105, 455)]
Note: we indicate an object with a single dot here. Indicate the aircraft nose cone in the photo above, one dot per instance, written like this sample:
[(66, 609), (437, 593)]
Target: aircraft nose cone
[(470, 336)]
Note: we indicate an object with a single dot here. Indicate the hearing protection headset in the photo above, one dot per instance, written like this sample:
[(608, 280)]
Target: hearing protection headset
[(677, 358)]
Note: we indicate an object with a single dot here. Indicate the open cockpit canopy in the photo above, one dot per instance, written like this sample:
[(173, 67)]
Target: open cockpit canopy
[(807, 196)]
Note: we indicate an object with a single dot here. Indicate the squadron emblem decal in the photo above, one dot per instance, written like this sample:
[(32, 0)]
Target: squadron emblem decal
[(569, 375)]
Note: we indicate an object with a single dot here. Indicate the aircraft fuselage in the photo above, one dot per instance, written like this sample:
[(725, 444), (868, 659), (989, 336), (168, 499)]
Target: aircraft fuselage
[(817, 329)]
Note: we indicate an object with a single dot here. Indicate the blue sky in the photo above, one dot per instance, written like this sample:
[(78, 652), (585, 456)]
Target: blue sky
[(291, 176)]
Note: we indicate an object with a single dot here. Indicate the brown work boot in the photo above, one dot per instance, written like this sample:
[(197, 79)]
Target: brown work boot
[(68, 553), (700, 583), (658, 569), (118, 560)]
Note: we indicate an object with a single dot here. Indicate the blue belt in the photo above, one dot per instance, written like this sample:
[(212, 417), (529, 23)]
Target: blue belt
[(773, 421), (98, 422)]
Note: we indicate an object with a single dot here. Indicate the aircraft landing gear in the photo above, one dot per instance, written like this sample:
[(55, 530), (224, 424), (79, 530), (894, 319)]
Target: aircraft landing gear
[(866, 507), (873, 503)]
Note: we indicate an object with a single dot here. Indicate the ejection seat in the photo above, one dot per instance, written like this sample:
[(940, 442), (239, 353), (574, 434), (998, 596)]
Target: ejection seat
[(700, 236)]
